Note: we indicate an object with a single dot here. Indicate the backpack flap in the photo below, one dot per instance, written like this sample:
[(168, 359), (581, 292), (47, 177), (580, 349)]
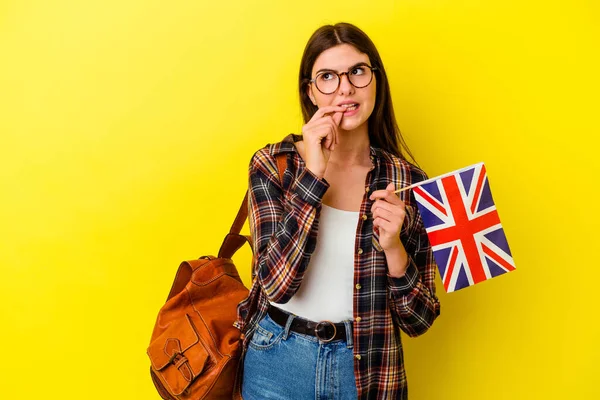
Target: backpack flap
[(178, 356)]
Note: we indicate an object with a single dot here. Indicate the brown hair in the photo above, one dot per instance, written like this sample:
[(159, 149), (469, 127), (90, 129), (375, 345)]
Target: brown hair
[(383, 129)]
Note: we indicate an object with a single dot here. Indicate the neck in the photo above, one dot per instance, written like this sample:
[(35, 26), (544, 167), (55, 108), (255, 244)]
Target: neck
[(352, 148)]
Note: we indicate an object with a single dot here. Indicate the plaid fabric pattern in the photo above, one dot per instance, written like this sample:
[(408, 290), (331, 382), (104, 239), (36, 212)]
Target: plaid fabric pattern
[(284, 221)]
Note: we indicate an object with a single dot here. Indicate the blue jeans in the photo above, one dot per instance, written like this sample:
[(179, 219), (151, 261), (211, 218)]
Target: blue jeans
[(281, 364)]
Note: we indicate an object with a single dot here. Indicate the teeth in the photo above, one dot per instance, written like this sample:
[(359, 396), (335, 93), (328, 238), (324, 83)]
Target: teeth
[(350, 107)]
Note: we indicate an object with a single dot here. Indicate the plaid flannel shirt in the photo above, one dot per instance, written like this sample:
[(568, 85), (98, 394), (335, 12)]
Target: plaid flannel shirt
[(284, 225)]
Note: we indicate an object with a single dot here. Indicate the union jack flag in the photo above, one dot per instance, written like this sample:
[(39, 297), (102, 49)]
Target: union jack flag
[(462, 223)]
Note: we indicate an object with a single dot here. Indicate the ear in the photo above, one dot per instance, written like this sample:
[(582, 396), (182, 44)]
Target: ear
[(310, 95)]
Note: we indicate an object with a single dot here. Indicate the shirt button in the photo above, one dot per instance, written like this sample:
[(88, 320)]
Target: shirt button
[(364, 217), (358, 319), (358, 286), (360, 251), (358, 357)]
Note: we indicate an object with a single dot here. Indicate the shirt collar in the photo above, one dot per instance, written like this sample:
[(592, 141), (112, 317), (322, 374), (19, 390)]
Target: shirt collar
[(286, 145)]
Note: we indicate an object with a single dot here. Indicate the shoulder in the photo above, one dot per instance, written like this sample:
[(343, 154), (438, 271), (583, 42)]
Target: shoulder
[(265, 158), (400, 168)]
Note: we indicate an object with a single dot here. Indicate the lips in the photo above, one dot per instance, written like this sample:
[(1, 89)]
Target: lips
[(350, 106)]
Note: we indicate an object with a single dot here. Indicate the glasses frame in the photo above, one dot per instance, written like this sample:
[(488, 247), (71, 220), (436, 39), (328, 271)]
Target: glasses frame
[(339, 75)]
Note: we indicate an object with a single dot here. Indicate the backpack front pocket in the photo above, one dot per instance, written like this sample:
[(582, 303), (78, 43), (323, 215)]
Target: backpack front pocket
[(178, 356)]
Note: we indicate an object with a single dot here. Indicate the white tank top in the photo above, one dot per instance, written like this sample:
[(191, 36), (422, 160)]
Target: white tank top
[(328, 283)]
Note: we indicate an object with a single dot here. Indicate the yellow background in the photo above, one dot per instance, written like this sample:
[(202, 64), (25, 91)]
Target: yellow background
[(126, 128)]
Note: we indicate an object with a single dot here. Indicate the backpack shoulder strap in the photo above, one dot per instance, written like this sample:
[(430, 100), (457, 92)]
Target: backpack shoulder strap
[(233, 241), (281, 165)]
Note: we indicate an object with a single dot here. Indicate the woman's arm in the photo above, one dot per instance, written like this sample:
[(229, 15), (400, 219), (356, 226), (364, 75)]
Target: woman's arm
[(413, 302), (283, 226)]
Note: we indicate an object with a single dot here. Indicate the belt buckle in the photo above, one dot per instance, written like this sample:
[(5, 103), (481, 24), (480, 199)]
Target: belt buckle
[(317, 331)]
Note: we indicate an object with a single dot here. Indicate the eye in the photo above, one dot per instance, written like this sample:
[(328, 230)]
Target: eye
[(358, 71), (327, 76)]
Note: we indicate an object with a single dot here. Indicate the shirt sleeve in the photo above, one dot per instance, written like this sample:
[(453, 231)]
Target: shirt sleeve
[(414, 304), (283, 225)]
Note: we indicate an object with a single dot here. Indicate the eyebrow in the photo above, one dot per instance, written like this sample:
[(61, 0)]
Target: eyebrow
[(352, 67)]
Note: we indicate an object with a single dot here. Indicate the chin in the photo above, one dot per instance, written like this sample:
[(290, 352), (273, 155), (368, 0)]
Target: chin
[(351, 125)]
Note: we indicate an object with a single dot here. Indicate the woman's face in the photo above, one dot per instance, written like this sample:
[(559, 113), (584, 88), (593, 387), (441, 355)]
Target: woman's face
[(344, 58)]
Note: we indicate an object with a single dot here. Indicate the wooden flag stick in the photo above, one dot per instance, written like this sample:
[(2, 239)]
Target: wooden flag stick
[(408, 187)]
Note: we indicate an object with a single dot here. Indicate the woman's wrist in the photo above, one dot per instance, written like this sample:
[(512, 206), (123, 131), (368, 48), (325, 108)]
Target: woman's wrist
[(397, 261), (315, 171)]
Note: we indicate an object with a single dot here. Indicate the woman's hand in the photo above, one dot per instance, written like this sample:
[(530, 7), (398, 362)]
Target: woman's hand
[(320, 136), (388, 216)]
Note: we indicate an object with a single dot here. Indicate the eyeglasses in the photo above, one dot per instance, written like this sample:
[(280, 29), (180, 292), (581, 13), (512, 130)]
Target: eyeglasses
[(360, 76)]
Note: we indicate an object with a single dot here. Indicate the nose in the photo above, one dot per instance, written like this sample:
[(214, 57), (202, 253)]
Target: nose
[(345, 86)]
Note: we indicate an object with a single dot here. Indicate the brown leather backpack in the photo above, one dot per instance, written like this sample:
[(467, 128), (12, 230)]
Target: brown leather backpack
[(195, 349)]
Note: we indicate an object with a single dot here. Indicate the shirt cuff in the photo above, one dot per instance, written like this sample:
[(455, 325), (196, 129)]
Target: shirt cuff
[(310, 188), (405, 284)]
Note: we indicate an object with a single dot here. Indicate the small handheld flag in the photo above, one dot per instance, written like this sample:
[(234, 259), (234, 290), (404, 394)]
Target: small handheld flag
[(463, 226)]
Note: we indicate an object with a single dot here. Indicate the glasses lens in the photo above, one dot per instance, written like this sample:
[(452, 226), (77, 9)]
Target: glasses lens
[(360, 76), (327, 82)]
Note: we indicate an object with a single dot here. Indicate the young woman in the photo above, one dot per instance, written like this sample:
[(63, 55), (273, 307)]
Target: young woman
[(341, 263)]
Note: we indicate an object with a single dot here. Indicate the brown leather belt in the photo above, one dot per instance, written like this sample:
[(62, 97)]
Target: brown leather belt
[(326, 331)]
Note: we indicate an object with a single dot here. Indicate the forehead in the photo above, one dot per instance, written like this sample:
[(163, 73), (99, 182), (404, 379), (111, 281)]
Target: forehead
[(339, 58)]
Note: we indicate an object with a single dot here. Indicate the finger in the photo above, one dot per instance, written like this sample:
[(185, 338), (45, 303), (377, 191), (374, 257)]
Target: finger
[(330, 136), (384, 225), (332, 128), (327, 140), (382, 193), (392, 197), (335, 131), (337, 117), (325, 110), (334, 134), (325, 121), (384, 213), (379, 195), (395, 209), (319, 133), (386, 195), (322, 128)]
